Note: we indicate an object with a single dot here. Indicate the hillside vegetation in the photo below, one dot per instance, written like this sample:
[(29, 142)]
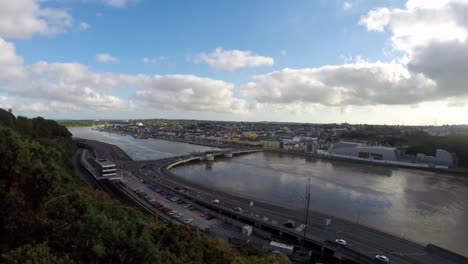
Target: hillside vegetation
[(49, 216)]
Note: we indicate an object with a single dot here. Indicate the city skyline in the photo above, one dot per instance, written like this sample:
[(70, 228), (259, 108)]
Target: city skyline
[(379, 62)]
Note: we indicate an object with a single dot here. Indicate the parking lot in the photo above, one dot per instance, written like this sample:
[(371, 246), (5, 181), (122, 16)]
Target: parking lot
[(171, 204)]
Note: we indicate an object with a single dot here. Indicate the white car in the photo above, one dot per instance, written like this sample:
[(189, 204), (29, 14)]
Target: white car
[(341, 242), (187, 206), (179, 215), (173, 213), (216, 201), (300, 228), (188, 221), (382, 258)]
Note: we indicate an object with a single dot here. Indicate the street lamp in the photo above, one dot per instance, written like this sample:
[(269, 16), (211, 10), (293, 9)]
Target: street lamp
[(307, 204)]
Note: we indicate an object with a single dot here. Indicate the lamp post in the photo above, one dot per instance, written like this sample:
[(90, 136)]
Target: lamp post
[(307, 204)]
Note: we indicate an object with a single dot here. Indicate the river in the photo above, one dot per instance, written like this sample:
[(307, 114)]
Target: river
[(424, 206), (139, 149)]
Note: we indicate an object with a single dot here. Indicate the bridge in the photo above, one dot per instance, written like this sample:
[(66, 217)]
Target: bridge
[(207, 155)]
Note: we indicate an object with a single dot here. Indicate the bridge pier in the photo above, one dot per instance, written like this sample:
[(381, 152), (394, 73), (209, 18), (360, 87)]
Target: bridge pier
[(209, 156), (228, 155)]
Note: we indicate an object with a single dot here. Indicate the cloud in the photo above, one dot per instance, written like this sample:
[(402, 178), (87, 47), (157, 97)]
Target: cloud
[(119, 3), (431, 35), (187, 92), (360, 83), (147, 60), (73, 86), (84, 26), (24, 18), (347, 5), (230, 60), (105, 58)]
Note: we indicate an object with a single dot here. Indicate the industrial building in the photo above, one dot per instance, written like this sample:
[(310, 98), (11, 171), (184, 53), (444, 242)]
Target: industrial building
[(358, 150), (106, 169), (390, 155)]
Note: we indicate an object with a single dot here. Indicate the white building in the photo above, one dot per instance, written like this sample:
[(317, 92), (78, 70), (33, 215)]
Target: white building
[(358, 150)]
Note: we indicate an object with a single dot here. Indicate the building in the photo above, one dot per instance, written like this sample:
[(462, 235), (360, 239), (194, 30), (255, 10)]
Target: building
[(271, 144), (358, 150), (106, 169)]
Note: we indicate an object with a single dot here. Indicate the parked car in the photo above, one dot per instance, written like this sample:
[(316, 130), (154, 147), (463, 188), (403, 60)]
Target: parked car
[(179, 215), (204, 214), (289, 224), (209, 217), (238, 209), (215, 201), (173, 212), (187, 205), (300, 228), (188, 220)]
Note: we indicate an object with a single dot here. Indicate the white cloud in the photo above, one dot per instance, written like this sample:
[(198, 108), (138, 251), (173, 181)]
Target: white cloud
[(230, 60), (24, 18), (360, 83), (187, 92), (148, 60), (118, 3), (84, 26), (105, 58), (432, 35), (347, 5), (73, 86)]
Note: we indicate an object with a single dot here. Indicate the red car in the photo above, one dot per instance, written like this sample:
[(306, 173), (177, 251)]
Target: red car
[(155, 204), (204, 214), (163, 193), (167, 210)]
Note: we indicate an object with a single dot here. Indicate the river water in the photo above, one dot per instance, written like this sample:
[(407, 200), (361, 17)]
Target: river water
[(139, 149), (424, 206)]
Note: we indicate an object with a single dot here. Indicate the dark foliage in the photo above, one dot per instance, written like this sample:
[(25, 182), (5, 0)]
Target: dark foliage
[(47, 216)]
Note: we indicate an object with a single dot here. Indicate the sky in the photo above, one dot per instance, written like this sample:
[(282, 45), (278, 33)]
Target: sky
[(316, 61)]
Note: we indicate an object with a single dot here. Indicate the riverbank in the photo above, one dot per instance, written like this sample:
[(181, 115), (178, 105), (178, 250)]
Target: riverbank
[(456, 171)]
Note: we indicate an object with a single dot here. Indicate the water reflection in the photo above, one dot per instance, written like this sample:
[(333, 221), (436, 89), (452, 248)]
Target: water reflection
[(421, 205), (139, 149)]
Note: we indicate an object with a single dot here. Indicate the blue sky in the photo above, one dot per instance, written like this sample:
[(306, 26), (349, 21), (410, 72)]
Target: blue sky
[(344, 57)]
